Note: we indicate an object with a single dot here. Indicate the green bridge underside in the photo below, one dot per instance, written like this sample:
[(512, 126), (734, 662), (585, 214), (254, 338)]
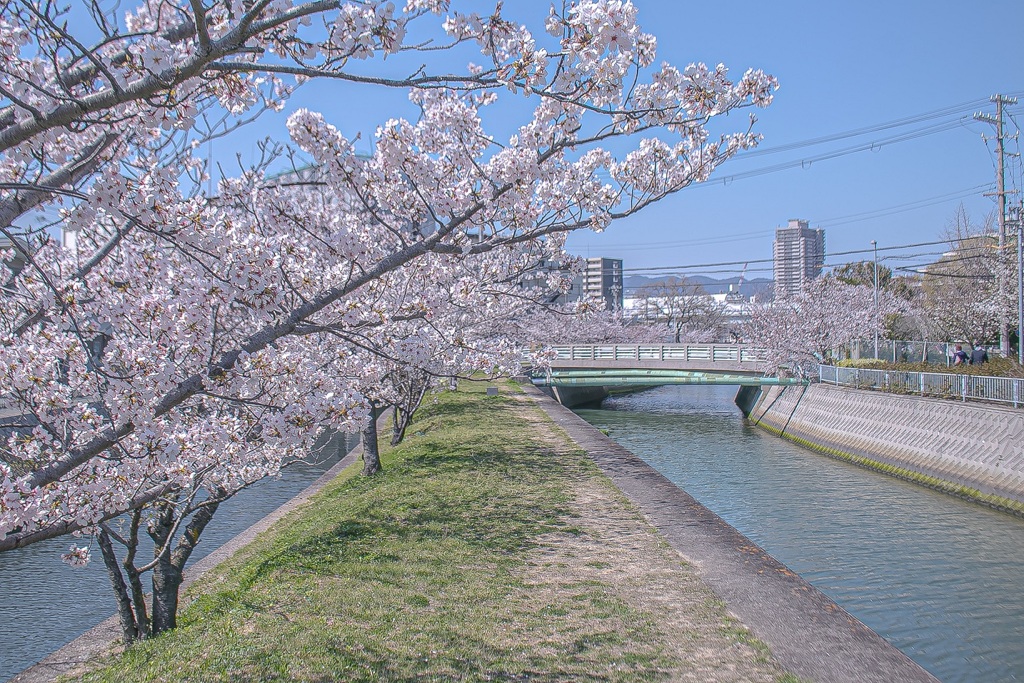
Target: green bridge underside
[(649, 378)]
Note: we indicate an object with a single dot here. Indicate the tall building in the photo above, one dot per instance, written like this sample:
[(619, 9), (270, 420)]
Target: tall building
[(799, 256), (602, 279)]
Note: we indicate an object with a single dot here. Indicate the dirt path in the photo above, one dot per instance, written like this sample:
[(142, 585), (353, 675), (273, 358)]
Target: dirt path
[(616, 552)]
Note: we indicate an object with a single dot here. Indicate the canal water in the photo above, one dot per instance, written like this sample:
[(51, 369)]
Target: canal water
[(939, 578), (45, 604)]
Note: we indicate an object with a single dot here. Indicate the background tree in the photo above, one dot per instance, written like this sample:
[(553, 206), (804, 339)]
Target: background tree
[(804, 330), (583, 323), (688, 311), (961, 290), (907, 324), (863, 273)]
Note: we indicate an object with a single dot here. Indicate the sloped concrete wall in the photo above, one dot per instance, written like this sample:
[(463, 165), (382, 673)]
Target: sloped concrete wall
[(971, 450)]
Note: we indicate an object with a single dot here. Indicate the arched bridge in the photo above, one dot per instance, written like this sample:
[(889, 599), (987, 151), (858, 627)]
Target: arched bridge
[(584, 373)]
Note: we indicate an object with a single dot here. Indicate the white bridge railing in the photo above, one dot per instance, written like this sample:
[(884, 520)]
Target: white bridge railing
[(732, 353), (946, 385)]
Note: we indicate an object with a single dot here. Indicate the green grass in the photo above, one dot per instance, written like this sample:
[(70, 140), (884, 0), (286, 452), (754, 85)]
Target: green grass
[(418, 574)]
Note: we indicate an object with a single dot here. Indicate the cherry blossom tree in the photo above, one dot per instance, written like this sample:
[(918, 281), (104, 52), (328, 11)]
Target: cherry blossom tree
[(442, 332), (582, 323), (688, 311), (962, 292), (187, 344), (803, 330)]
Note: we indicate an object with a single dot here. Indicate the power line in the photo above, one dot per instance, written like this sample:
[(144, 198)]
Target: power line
[(962, 108), (772, 260), (874, 145), (902, 208), (828, 222), (929, 273), (741, 237)]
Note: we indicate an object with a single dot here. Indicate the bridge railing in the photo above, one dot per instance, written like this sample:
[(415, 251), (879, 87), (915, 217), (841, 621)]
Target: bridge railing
[(662, 352), (1009, 390)]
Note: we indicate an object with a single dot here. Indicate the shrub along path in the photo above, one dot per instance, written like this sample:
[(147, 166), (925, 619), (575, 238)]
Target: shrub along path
[(491, 548)]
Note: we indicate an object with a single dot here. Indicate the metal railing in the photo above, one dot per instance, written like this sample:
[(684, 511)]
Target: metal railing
[(896, 351), (1008, 390), (735, 353)]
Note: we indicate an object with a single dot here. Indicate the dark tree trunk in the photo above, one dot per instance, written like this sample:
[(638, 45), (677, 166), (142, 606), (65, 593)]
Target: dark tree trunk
[(169, 570), (135, 579), (166, 579), (166, 582), (190, 539), (371, 451), (129, 627), (413, 398), (398, 425)]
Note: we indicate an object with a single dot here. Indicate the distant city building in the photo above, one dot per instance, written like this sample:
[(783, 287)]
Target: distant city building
[(540, 278), (799, 256), (602, 279)]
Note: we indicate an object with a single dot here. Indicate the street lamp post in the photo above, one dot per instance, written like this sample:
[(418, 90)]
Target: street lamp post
[(874, 246)]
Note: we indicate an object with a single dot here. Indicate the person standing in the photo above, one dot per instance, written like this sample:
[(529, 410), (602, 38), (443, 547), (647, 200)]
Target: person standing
[(979, 356), (959, 355)]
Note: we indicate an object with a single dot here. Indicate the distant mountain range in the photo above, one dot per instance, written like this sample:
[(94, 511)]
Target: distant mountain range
[(710, 284)]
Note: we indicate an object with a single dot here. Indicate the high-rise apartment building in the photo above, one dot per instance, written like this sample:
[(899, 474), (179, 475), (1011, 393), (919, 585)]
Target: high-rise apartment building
[(799, 255), (602, 279)]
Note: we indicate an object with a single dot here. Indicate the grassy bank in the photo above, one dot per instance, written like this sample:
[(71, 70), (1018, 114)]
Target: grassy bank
[(489, 549)]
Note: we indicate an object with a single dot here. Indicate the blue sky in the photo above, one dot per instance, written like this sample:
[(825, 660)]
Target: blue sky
[(842, 67)]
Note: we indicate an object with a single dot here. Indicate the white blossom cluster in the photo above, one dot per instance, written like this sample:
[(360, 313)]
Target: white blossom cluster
[(803, 330)]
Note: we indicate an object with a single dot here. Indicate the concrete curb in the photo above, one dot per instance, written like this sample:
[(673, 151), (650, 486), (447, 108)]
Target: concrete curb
[(101, 638), (809, 634)]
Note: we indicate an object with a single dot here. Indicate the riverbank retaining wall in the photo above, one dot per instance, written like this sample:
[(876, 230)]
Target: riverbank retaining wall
[(970, 450)]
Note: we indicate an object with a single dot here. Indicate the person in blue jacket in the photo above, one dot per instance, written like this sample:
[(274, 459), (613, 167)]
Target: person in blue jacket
[(959, 355)]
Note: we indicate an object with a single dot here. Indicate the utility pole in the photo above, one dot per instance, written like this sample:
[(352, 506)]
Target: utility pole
[(997, 121), (1018, 220)]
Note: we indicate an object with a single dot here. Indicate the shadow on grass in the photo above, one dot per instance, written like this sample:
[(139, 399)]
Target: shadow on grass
[(365, 584), (436, 457), (456, 405)]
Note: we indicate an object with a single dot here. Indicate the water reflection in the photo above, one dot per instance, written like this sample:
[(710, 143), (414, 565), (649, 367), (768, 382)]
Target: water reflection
[(45, 604), (939, 578)]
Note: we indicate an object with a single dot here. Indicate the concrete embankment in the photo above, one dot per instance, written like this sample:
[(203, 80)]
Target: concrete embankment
[(970, 450)]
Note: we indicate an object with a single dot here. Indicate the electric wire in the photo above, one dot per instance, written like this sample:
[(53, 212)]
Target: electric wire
[(828, 222), (903, 208), (874, 145), (961, 109), (772, 260), (964, 254), (930, 129)]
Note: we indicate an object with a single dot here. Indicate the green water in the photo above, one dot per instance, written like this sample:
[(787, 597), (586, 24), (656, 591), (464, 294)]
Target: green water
[(939, 578)]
